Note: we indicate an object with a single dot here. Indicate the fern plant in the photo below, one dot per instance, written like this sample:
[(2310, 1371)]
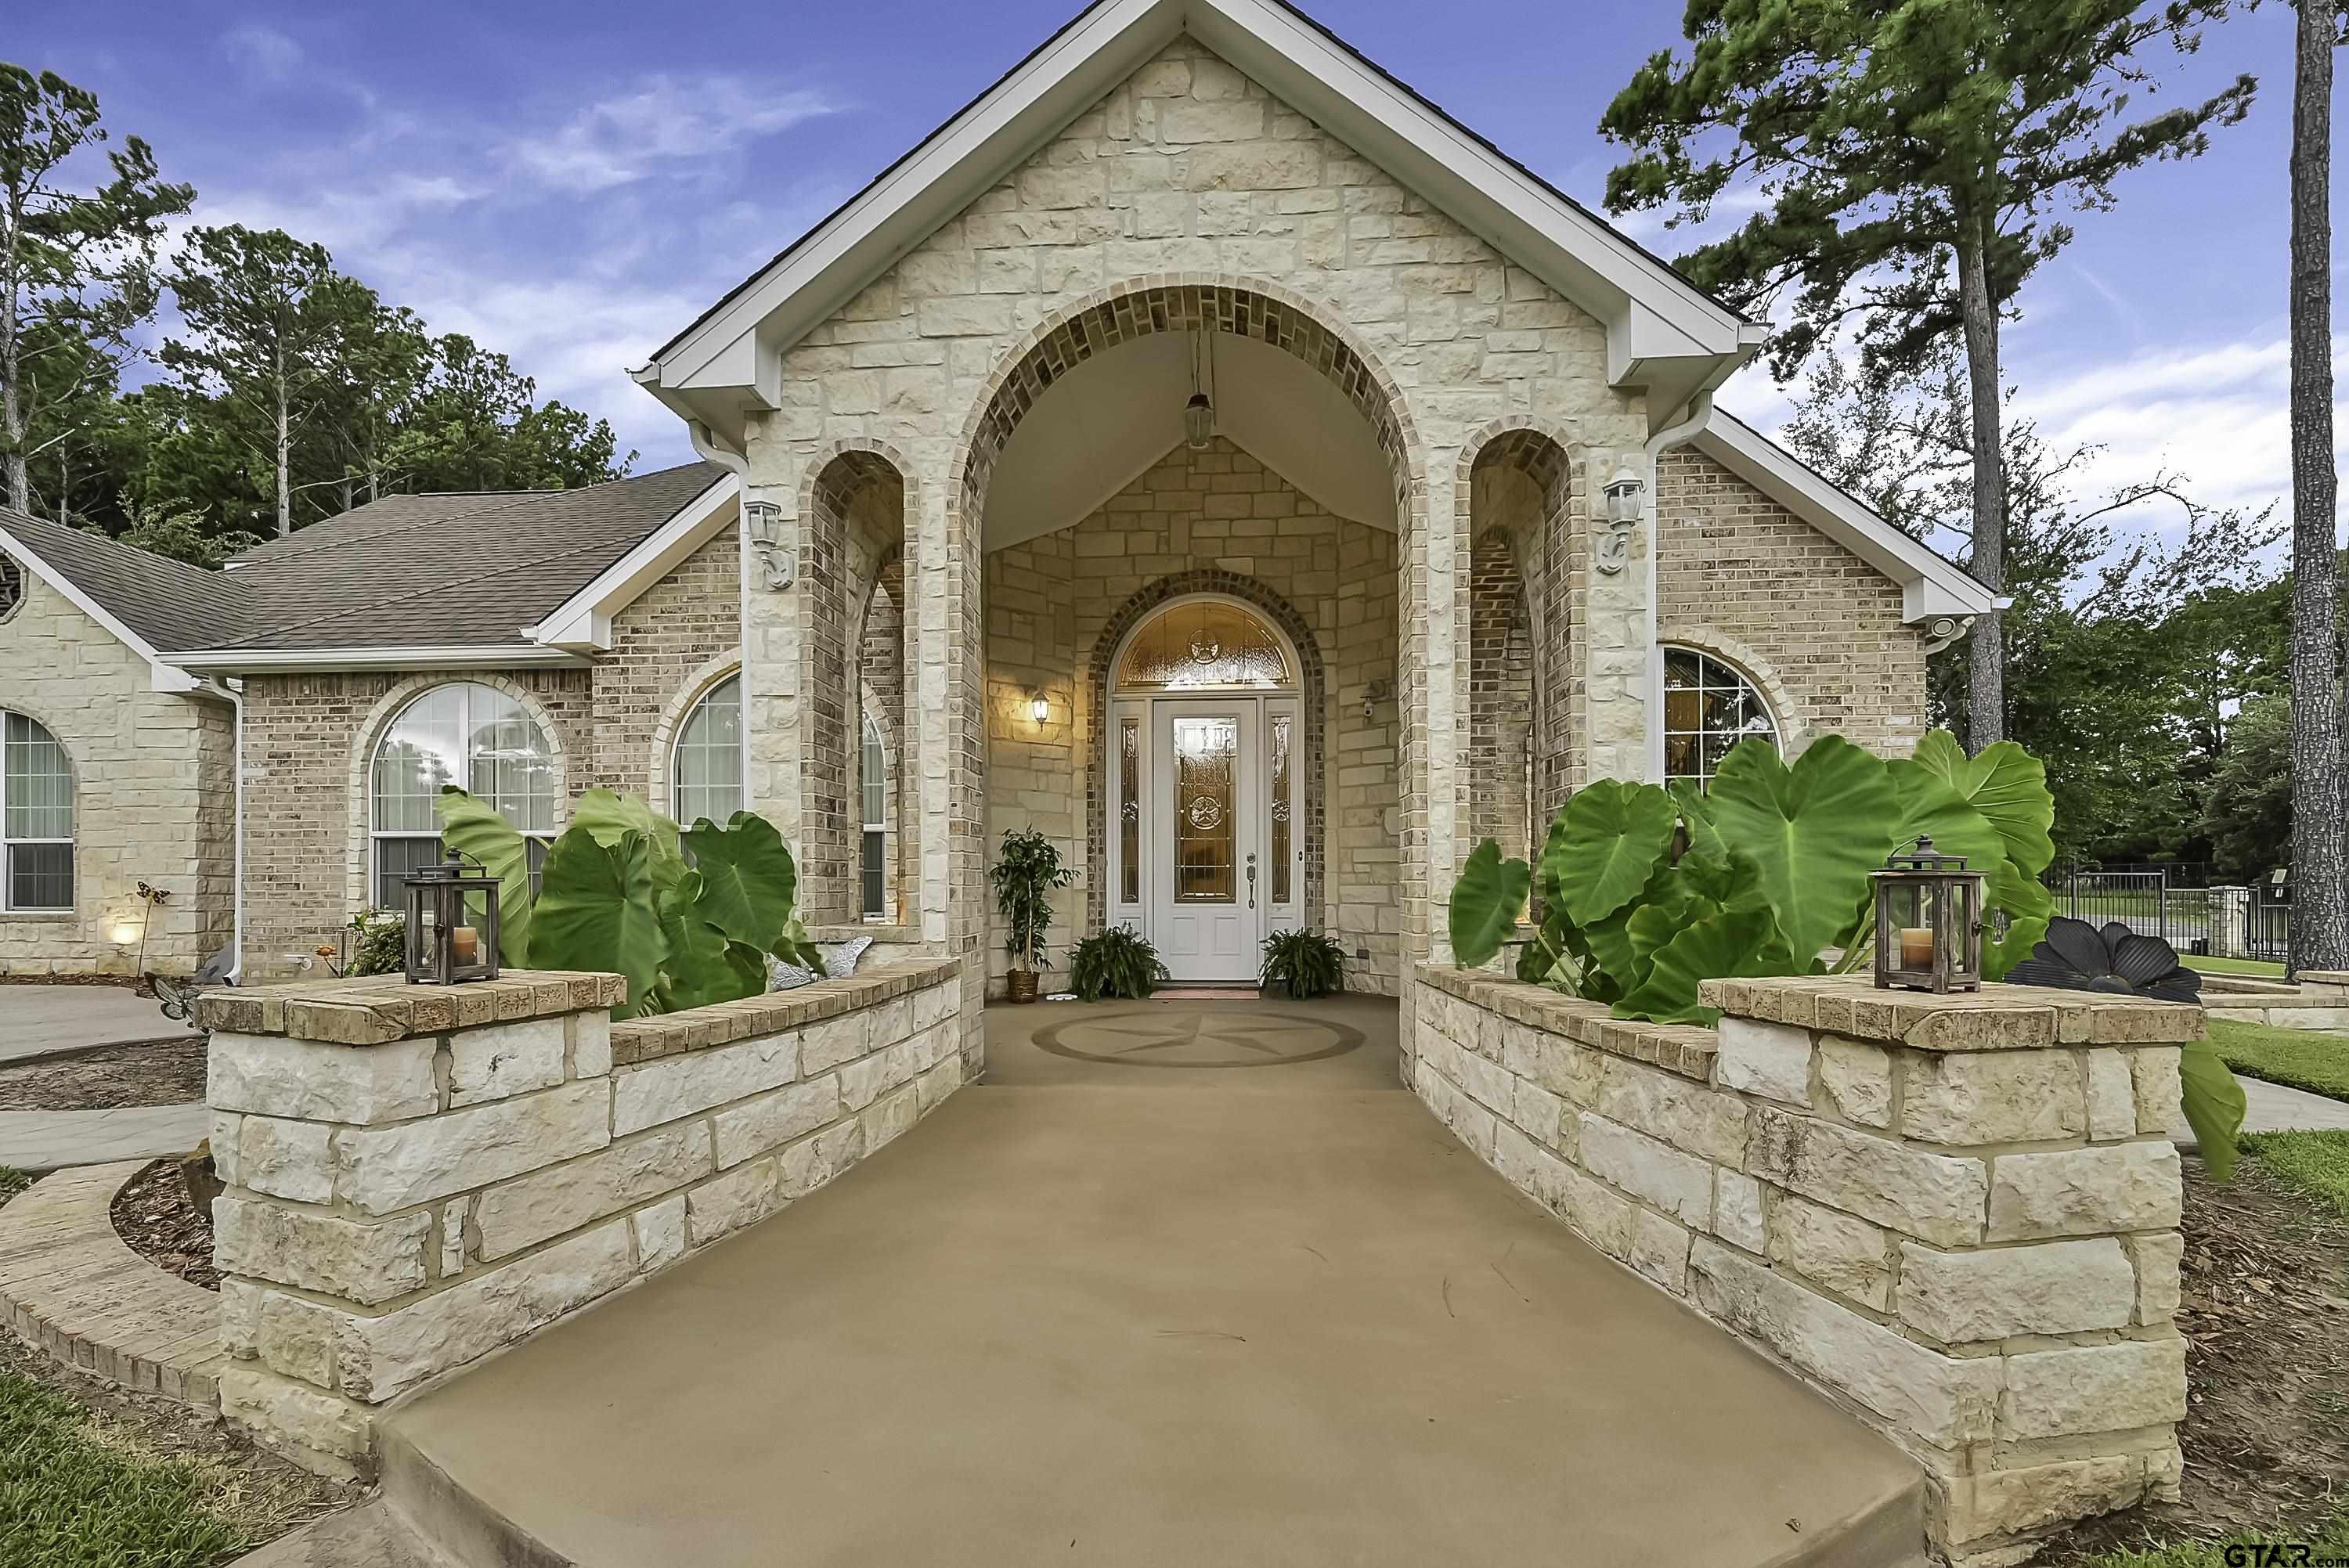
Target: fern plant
[(1305, 964), (1118, 961)]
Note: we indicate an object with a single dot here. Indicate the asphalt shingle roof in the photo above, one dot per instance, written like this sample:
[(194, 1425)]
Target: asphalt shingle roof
[(409, 571)]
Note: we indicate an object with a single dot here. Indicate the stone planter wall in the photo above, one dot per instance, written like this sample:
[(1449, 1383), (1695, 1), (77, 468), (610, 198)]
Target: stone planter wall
[(418, 1178), (1958, 1216)]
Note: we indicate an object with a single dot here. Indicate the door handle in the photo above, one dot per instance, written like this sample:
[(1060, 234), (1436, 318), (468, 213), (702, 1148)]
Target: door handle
[(1251, 874)]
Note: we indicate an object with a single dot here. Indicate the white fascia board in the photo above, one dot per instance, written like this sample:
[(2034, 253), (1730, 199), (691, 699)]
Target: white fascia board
[(161, 675), (450, 657), (583, 622), (1573, 251), (1931, 586)]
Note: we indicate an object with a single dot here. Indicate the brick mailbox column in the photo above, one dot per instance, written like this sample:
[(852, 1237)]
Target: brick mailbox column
[(1966, 1227), (350, 1120)]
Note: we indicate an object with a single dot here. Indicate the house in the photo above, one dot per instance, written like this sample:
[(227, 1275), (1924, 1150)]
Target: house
[(1201, 448)]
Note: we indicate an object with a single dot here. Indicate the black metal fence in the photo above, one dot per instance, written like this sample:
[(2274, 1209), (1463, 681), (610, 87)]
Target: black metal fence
[(2177, 905)]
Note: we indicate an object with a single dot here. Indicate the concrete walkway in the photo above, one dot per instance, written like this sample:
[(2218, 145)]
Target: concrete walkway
[(42, 1020), (53, 1139), (1183, 1283)]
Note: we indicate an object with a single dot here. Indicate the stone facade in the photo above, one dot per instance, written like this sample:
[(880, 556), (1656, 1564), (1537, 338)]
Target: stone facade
[(1959, 1216), (416, 1179), (154, 800)]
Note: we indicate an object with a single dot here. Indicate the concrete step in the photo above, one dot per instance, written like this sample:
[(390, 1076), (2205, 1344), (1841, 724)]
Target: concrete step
[(371, 1535)]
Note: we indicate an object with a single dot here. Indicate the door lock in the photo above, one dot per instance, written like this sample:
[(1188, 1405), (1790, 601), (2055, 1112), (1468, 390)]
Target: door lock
[(1251, 875)]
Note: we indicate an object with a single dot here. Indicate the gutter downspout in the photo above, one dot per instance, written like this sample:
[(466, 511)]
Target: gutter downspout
[(1699, 415), (706, 447), (219, 686)]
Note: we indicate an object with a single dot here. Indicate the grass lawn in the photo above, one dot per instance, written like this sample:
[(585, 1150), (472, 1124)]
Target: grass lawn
[(2317, 1163), (68, 1499), (2303, 1059), (2257, 968)]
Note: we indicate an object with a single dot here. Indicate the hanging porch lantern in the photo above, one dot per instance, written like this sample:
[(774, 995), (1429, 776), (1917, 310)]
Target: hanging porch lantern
[(1929, 920), (453, 924)]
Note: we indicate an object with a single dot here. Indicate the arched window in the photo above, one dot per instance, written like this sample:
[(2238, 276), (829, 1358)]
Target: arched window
[(476, 737), (36, 816), (1708, 708), (1204, 645), (707, 775)]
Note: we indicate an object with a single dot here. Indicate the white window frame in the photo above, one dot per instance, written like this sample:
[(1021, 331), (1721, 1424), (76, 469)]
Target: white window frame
[(8, 844), (742, 750), (378, 834), (1745, 683), (871, 745)]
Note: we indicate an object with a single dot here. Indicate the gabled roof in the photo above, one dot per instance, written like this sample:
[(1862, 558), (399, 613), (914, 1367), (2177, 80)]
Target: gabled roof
[(152, 604), (1662, 331), (1931, 585)]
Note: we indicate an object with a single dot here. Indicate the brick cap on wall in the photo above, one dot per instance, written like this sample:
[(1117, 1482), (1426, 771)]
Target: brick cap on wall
[(376, 1009), (772, 1012), (1996, 1017)]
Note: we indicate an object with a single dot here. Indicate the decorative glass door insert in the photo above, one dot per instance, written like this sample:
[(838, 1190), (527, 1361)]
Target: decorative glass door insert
[(1207, 769)]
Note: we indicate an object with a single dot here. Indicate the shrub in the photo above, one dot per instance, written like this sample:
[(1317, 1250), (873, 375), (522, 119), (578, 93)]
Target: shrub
[(378, 941), (1305, 964), (1118, 961)]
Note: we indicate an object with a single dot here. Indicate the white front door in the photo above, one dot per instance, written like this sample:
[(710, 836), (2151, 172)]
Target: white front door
[(1206, 913)]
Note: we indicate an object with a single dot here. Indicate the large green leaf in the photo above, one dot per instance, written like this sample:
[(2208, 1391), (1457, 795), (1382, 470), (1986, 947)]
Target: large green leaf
[(598, 909), (1486, 904), (2214, 1106), (1739, 943), (607, 815), (1549, 871), (2007, 785), (1615, 835), (1696, 816), (703, 965), (475, 826), (748, 880), (1814, 831), (2022, 935), (795, 946)]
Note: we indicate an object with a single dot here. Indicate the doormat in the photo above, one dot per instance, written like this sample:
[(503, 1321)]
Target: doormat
[(1204, 994)]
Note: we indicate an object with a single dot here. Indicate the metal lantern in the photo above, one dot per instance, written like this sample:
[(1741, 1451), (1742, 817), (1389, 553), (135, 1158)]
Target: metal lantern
[(1929, 921), (453, 924)]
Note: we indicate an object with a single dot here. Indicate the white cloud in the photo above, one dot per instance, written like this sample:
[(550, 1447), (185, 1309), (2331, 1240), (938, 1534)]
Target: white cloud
[(263, 53), (664, 122)]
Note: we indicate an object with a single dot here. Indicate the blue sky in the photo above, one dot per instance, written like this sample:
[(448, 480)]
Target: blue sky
[(572, 183)]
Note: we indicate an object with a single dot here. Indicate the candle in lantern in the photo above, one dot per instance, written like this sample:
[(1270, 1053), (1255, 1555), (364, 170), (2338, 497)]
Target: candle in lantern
[(465, 945), (1916, 947)]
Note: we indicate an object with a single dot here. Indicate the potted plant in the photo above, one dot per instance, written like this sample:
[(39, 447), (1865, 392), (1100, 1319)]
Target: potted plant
[(1117, 961), (1025, 875), (1301, 965)]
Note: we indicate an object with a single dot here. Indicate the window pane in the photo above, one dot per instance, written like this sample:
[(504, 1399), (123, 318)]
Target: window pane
[(1205, 644), (1129, 811), (513, 766), (394, 860), (39, 784), (709, 776), (40, 876), (1709, 708), (1280, 802), (873, 771), (875, 893)]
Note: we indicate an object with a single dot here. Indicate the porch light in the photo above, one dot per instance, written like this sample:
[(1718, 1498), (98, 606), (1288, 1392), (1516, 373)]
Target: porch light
[(762, 521), (1041, 706), (1625, 494), (453, 924), (1929, 912)]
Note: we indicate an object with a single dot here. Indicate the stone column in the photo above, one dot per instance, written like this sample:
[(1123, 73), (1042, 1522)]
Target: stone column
[(1619, 620), (2229, 922), (1998, 1170), (351, 1123)]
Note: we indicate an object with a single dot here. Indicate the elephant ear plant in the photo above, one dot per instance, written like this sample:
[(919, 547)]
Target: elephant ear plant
[(1025, 877), (1645, 891), (617, 892)]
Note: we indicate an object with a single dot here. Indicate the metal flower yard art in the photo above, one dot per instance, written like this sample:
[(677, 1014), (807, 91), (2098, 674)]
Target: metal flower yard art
[(2078, 956)]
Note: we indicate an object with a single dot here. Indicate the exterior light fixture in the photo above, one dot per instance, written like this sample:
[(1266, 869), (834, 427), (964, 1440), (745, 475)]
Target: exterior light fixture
[(1928, 922), (1199, 413), (1627, 495), (762, 521), (453, 924), (1039, 706)]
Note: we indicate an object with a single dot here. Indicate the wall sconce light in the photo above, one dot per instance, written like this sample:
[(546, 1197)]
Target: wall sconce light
[(762, 521), (1627, 495), (1376, 692), (1039, 706)]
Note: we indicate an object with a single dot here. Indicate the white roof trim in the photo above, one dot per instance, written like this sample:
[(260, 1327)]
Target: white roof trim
[(1654, 314), (447, 656), (161, 675), (1932, 587), (583, 622)]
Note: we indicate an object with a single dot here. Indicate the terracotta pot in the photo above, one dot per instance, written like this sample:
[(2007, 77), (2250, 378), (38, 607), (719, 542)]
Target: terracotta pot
[(1022, 986)]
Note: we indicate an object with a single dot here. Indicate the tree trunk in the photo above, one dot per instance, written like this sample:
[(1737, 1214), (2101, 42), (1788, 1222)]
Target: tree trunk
[(1986, 662), (284, 452), (2320, 838), (12, 405)]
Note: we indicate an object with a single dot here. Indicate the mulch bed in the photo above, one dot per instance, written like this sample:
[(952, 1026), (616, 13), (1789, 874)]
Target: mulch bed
[(169, 1072), (2266, 1318), (154, 1218)]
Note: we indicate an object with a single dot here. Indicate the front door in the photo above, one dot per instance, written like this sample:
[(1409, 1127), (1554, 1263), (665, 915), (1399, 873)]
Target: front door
[(1207, 911)]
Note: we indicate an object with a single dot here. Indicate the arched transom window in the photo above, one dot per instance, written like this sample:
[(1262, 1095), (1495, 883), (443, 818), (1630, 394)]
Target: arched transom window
[(1708, 708), (707, 779), (36, 816), (476, 737), (1205, 644)]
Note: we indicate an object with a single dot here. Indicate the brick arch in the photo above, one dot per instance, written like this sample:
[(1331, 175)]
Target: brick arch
[(1548, 453), (1312, 684), (1760, 673)]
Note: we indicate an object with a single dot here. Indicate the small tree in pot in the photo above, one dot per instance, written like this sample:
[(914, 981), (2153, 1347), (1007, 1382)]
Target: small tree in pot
[(1024, 877)]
